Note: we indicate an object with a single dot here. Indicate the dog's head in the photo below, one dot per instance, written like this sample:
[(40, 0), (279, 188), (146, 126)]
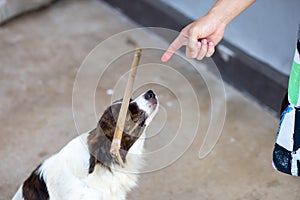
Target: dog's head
[(140, 113)]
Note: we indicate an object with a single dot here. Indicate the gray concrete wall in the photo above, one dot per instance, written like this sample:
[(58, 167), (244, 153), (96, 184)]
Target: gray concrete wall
[(267, 30)]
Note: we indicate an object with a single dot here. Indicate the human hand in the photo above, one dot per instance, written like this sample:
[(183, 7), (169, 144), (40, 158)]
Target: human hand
[(200, 38)]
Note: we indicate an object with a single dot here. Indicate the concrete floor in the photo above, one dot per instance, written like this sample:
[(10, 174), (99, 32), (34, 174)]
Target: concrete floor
[(40, 55)]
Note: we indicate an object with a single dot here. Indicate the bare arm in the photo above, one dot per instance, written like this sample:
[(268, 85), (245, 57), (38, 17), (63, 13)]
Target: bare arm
[(227, 10), (202, 35)]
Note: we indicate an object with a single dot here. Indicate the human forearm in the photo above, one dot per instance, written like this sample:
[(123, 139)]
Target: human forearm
[(226, 10)]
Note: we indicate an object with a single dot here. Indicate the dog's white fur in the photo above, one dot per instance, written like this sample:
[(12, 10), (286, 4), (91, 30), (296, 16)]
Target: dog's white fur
[(66, 173)]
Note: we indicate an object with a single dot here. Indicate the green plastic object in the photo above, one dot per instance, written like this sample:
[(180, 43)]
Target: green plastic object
[(294, 82)]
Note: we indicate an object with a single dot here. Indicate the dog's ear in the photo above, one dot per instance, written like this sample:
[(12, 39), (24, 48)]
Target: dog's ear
[(109, 119)]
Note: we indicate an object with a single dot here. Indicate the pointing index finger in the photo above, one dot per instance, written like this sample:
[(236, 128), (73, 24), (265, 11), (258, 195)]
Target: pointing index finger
[(174, 46)]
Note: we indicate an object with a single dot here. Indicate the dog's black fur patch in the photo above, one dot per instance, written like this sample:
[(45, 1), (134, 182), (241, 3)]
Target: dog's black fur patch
[(34, 188)]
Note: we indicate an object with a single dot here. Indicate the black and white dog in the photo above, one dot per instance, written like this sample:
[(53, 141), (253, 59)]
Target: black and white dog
[(84, 168)]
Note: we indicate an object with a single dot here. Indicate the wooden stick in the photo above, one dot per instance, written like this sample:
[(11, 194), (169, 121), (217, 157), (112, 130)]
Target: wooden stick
[(116, 142)]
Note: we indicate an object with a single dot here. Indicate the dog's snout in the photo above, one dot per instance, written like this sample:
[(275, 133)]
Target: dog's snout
[(149, 95), (148, 102)]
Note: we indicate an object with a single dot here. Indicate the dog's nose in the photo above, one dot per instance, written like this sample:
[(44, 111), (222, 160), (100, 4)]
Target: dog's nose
[(149, 95)]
